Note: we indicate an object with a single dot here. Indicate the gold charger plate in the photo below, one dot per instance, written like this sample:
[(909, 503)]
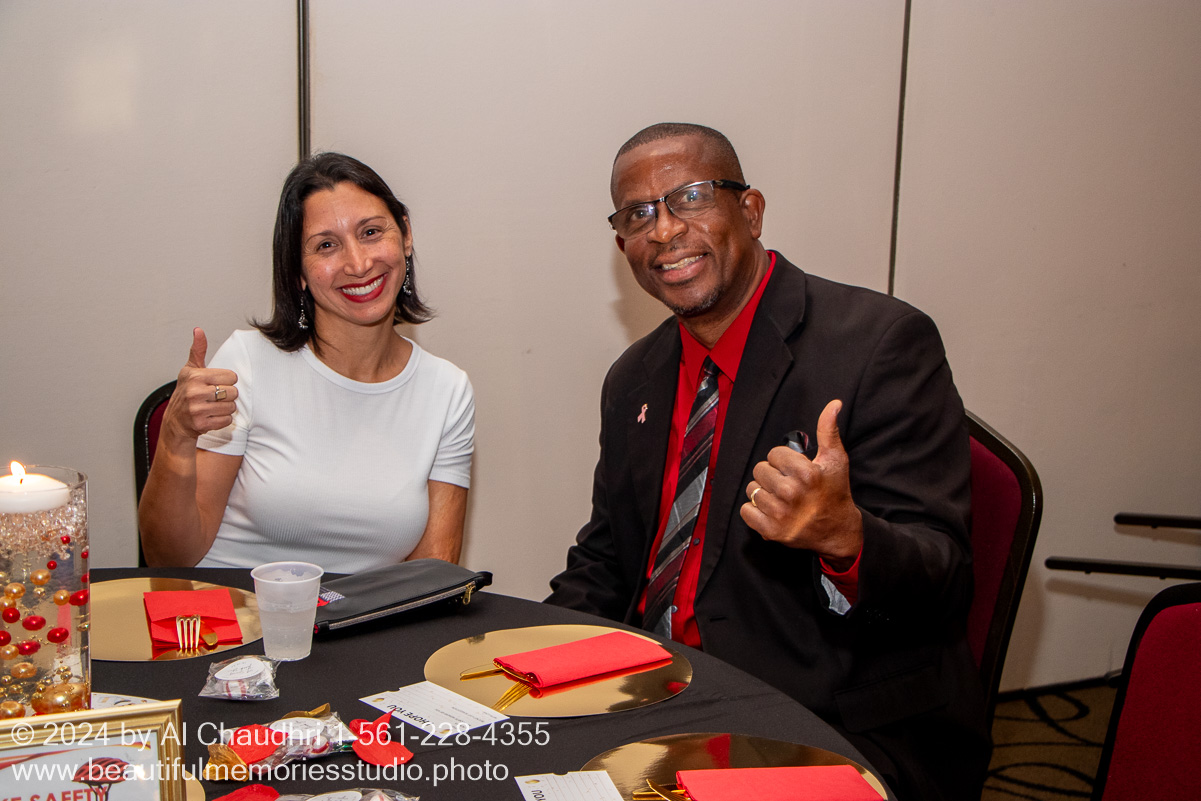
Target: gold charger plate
[(119, 630), (595, 697), (193, 789), (630, 765)]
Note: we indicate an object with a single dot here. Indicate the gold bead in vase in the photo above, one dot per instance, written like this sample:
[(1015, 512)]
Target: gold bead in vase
[(61, 598), (23, 670), (40, 577), (11, 709), (65, 697), (9, 652), (14, 590)]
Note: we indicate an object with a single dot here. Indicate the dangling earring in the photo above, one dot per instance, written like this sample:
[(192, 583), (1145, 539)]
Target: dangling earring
[(303, 322), (406, 287)]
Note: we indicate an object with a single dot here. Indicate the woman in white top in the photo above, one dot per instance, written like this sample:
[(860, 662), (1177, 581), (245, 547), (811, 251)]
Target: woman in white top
[(324, 436)]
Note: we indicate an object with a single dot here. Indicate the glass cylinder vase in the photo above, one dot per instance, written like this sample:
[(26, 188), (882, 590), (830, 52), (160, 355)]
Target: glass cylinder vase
[(44, 594)]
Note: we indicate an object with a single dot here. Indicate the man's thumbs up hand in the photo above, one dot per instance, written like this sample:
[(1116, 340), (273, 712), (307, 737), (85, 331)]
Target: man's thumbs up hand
[(805, 503)]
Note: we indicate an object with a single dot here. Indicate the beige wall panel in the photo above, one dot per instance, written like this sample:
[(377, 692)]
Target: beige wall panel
[(498, 123), (1050, 199), (142, 146)]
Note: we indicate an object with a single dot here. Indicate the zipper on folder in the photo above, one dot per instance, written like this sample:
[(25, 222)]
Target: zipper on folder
[(391, 610)]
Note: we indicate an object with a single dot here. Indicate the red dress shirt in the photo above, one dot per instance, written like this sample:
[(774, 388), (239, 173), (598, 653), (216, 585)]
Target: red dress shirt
[(726, 354)]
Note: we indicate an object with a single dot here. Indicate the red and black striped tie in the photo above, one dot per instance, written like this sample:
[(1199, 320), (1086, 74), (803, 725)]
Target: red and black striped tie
[(690, 491)]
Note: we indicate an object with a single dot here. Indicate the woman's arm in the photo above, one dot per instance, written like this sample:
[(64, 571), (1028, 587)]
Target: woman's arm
[(187, 489), (443, 537)]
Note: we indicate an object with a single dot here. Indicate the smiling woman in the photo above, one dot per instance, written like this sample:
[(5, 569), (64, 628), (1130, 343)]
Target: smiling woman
[(325, 436)]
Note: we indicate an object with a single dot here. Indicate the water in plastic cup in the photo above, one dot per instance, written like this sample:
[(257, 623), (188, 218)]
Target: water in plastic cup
[(287, 598)]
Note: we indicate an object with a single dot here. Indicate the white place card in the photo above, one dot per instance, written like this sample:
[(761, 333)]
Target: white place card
[(434, 709), (109, 700), (588, 785)]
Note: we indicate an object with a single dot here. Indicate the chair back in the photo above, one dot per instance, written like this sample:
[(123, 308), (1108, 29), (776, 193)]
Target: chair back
[(1153, 747), (1006, 510), (146, 426)]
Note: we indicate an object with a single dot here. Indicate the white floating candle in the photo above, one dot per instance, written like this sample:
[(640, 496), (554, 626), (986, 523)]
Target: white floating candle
[(22, 493)]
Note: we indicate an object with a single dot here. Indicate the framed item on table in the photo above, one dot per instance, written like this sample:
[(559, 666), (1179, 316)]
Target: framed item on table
[(81, 756)]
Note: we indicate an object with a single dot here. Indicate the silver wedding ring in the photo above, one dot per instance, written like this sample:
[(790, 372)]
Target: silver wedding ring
[(218, 393), (753, 494)]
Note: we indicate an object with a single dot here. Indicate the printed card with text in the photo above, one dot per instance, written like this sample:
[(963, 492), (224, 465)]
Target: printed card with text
[(590, 785), (434, 709)]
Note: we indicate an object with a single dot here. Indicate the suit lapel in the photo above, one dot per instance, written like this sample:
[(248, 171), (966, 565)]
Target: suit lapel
[(647, 437), (766, 360)]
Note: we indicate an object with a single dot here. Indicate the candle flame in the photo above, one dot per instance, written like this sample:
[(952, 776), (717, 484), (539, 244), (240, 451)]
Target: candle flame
[(18, 470)]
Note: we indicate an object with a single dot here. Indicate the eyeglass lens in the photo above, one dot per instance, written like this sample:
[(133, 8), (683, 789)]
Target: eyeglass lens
[(687, 201)]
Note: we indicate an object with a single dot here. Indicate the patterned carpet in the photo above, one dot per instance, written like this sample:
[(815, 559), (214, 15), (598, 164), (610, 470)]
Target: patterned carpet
[(1047, 744)]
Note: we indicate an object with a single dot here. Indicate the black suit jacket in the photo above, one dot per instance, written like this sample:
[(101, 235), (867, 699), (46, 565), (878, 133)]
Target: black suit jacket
[(894, 674)]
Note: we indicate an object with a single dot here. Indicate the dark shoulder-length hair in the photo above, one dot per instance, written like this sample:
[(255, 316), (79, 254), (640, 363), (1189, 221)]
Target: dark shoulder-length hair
[(323, 171)]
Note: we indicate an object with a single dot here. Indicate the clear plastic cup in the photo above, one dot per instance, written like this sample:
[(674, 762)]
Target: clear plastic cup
[(287, 599)]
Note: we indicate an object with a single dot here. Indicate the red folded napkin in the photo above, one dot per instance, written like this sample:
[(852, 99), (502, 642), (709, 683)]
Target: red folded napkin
[(251, 792), (812, 783), (584, 659), (373, 742), (214, 606)]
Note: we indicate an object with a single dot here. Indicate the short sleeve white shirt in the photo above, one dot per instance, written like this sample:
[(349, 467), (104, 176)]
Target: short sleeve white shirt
[(335, 471)]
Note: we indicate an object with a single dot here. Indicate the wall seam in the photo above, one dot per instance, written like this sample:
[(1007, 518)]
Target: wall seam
[(896, 179)]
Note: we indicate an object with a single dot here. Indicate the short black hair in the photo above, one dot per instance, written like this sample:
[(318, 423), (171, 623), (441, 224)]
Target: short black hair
[(318, 172), (669, 130)]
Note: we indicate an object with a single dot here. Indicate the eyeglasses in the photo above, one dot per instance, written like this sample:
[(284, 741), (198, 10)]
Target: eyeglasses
[(687, 201)]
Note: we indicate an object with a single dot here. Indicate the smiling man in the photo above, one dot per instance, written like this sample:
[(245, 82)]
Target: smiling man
[(783, 479)]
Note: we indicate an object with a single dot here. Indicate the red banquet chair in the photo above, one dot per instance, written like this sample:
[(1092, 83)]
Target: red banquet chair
[(1007, 507), (1153, 746), (146, 426)]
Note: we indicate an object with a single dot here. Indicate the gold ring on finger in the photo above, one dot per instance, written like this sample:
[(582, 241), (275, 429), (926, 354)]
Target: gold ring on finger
[(753, 494), (219, 393)]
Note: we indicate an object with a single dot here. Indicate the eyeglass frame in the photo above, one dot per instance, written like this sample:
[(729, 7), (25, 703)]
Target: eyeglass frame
[(718, 183)]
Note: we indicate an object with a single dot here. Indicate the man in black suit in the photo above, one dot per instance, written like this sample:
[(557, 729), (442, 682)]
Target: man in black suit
[(825, 545)]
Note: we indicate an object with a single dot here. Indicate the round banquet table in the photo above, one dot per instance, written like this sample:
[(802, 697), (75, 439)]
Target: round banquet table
[(346, 667)]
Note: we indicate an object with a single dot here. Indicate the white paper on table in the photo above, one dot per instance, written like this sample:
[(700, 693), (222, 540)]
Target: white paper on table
[(434, 708), (110, 700), (587, 785)]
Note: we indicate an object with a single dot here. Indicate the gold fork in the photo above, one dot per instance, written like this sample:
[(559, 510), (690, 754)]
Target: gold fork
[(187, 632), (512, 695), (670, 792), (492, 670)]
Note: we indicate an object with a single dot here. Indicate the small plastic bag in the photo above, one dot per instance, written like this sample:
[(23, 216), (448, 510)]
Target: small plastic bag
[(360, 794), (298, 736), (307, 738), (244, 678)]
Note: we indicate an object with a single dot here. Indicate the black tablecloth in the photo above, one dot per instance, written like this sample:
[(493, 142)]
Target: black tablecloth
[(345, 668)]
